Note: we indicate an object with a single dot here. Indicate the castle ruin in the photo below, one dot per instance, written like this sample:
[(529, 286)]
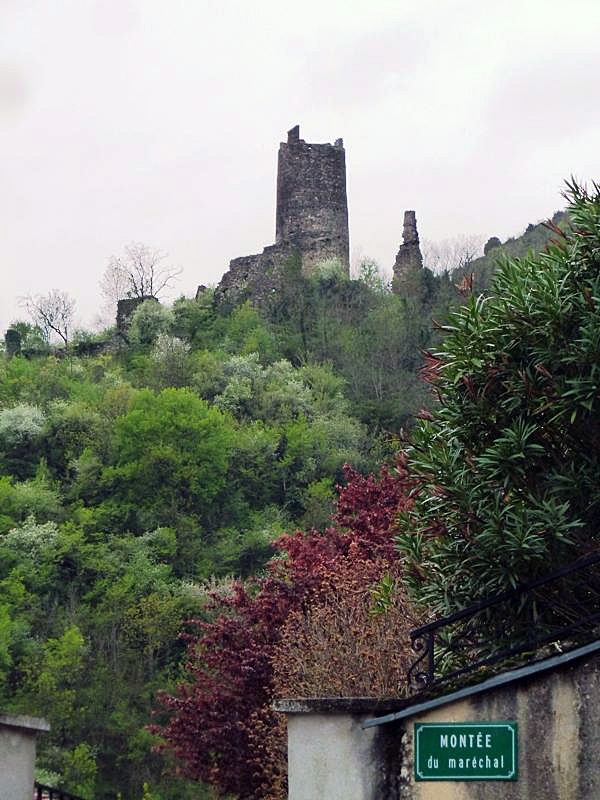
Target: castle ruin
[(312, 208), (311, 224), (409, 259), (311, 220)]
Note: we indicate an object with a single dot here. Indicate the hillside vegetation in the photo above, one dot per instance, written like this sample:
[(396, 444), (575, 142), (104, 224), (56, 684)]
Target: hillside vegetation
[(139, 473)]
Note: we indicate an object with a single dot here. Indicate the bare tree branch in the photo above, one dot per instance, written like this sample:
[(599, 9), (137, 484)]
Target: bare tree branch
[(52, 312), (451, 254), (140, 272), (114, 283)]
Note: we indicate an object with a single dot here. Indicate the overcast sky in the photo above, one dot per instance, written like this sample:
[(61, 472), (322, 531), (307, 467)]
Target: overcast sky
[(159, 121)]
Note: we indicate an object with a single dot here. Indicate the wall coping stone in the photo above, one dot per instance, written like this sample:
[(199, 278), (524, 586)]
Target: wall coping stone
[(36, 724), (425, 702), (337, 705)]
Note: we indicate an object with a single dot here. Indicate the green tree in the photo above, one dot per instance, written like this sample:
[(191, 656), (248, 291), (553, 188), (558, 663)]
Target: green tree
[(52, 679), (21, 433), (14, 630), (171, 454), (71, 427), (35, 498), (510, 462), (33, 341), (194, 320)]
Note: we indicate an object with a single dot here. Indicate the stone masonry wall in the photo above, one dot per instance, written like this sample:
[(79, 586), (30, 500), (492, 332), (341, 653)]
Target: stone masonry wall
[(409, 259), (312, 207), (254, 277), (311, 221)]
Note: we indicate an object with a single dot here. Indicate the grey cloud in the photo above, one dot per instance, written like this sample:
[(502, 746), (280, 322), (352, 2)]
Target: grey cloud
[(115, 17)]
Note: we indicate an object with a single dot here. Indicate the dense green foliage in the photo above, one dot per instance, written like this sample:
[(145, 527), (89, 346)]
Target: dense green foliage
[(533, 239), (135, 472), (510, 461)]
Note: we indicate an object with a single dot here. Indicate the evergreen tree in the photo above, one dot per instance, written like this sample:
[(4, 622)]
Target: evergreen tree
[(509, 463)]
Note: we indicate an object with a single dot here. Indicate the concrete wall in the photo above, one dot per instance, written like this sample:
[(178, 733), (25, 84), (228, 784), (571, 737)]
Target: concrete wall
[(331, 756), (17, 755), (558, 713)]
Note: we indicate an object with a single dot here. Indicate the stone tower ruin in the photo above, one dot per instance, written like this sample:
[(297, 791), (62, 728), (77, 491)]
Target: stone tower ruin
[(409, 259), (312, 208), (311, 220)]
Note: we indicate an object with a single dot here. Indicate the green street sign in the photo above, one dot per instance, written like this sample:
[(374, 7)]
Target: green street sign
[(466, 751)]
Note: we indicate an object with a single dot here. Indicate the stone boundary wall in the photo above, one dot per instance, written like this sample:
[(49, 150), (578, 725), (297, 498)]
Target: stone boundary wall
[(331, 756)]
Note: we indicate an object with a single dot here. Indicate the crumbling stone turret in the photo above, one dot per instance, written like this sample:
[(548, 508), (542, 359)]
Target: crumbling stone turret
[(409, 259), (312, 207), (125, 309), (12, 342), (311, 221)]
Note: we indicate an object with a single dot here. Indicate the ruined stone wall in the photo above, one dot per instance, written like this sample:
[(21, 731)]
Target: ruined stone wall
[(12, 342), (312, 207), (409, 259), (311, 221), (254, 278)]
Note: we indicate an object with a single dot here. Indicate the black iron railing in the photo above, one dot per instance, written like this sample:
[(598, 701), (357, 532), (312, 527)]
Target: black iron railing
[(41, 792), (555, 613)]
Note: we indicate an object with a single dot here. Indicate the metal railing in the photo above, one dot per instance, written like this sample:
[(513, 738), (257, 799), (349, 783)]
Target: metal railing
[(555, 613), (42, 792)]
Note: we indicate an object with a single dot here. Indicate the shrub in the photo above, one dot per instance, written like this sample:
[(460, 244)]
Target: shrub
[(336, 645), (171, 362), (330, 269), (229, 688), (30, 539), (71, 428), (35, 498), (21, 429), (20, 425), (148, 321), (510, 462)]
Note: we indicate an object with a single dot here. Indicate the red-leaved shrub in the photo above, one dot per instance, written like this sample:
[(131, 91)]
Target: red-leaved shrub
[(338, 645), (220, 717)]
